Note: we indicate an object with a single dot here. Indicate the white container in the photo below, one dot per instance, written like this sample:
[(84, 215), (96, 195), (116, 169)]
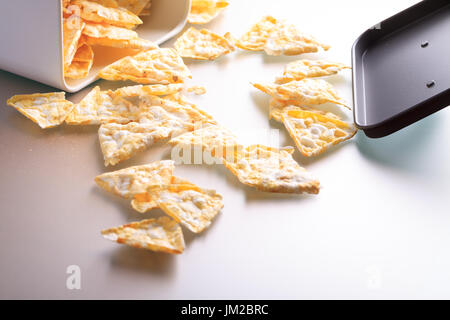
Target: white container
[(31, 39)]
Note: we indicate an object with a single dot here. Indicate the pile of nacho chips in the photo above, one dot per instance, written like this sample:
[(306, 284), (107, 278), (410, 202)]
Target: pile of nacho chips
[(134, 118), (99, 23)]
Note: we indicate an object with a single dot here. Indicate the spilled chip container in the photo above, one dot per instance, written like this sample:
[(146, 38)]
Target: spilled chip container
[(32, 47), (401, 69)]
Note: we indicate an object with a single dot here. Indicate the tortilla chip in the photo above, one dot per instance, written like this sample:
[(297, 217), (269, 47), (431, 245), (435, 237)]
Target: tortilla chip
[(71, 35), (204, 11), (161, 235), (46, 109)]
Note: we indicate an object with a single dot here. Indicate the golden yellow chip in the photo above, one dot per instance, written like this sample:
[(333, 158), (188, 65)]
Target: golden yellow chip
[(151, 89), (163, 66), (272, 170), (287, 40), (277, 37), (279, 107), (202, 44), (121, 142), (72, 30), (111, 36), (135, 6), (95, 12), (185, 202), (46, 109), (217, 140), (132, 181), (107, 3), (99, 107), (81, 63), (255, 39), (161, 235), (203, 11), (306, 92), (301, 69), (313, 133), (198, 90)]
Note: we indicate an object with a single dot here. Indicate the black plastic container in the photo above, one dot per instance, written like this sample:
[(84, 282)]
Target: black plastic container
[(401, 69)]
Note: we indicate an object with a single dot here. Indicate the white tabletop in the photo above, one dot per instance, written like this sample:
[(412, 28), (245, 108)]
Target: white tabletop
[(378, 229)]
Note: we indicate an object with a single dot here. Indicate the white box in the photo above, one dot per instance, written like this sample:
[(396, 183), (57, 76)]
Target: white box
[(31, 39)]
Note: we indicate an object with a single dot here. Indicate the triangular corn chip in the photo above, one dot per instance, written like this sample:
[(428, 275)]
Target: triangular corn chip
[(215, 139), (163, 66), (277, 37), (313, 133), (203, 11), (202, 44), (151, 89), (279, 107), (99, 107), (107, 3), (161, 235), (198, 90), (132, 181), (287, 40), (306, 92), (272, 170), (298, 70), (72, 29), (185, 202), (255, 39), (121, 142), (116, 37), (46, 109), (95, 12)]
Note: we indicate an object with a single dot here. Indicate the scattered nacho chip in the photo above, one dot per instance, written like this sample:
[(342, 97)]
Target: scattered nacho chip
[(217, 140), (161, 235), (287, 40), (272, 170), (46, 109), (95, 12), (301, 69), (163, 66), (277, 37), (151, 89), (132, 181), (117, 37), (204, 11), (71, 34), (280, 107), (121, 142), (99, 107), (202, 44), (306, 92), (255, 39), (185, 202), (313, 133), (198, 90)]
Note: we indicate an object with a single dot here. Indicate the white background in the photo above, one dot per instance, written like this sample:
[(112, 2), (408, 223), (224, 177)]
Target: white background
[(378, 229)]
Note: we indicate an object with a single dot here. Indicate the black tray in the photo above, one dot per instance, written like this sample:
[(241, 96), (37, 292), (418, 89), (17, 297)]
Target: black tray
[(401, 69)]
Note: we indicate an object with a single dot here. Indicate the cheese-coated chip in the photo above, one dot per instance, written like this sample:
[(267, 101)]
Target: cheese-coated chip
[(95, 12), (280, 107), (301, 69), (116, 37), (163, 66), (161, 235), (202, 44), (313, 133), (255, 39), (204, 11), (46, 109), (72, 30), (185, 202), (135, 6), (132, 181), (99, 107), (151, 89), (272, 170), (306, 92), (81, 63)]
